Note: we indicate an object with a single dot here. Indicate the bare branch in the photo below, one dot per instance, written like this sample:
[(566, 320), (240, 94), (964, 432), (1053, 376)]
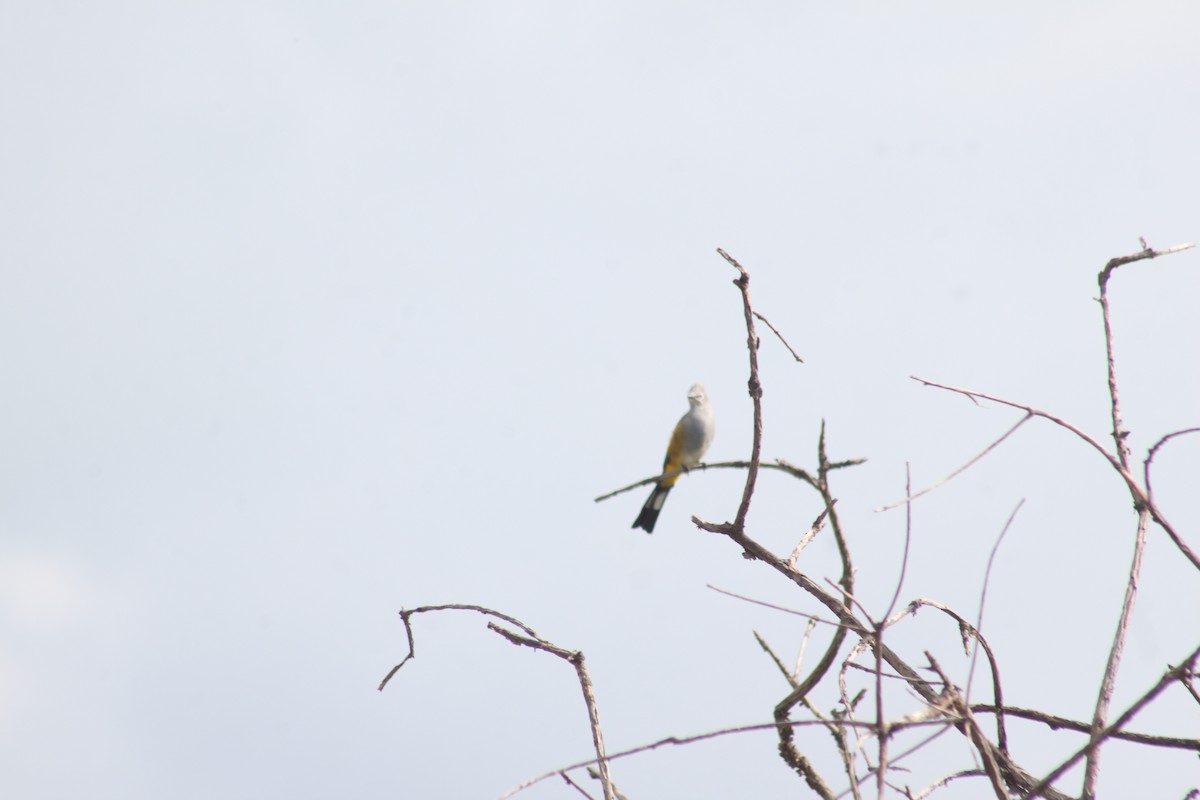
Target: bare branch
[(968, 631), (595, 775), (976, 736), (806, 539), (892, 676), (1154, 451), (647, 481), (1056, 722), (1186, 680), (938, 484), (929, 712), (1131, 483), (1017, 778), (849, 705), (1001, 736), (1141, 502), (686, 740), (567, 779), (881, 731), (765, 604), (808, 629), (1145, 252), (1108, 683), (1037, 413), (755, 390), (1170, 676), (778, 663), (775, 330), (780, 464), (575, 658), (531, 639), (938, 784), (406, 615), (907, 542)]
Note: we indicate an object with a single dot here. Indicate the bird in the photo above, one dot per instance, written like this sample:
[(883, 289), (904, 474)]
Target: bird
[(689, 441)]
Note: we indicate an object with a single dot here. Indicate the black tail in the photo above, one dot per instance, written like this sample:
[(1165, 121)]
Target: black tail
[(654, 504)]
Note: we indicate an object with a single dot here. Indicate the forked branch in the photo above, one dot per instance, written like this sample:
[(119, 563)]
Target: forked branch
[(532, 640)]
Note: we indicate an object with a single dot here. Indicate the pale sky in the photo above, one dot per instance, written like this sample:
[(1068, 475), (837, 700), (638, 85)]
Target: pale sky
[(316, 311)]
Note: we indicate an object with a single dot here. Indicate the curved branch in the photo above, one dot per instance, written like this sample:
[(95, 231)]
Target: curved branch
[(1139, 495), (968, 631), (407, 614), (938, 484), (574, 657), (1154, 451)]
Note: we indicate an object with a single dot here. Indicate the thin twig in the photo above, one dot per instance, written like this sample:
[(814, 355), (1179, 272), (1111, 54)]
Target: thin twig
[(778, 662), (808, 629), (879, 627), (938, 484), (1186, 680), (775, 330), (1108, 683), (1131, 483), (1001, 737), (810, 534), (647, 481), (595, 775), (907, 541), (1146, 252), (872, 672), (849, 706), (686, 740), (780, 465), (881, 732), (1154, 451), (576, 786), (968, 632), (1037, 413), (946, 726), (407, 614), (973, 732), (938, 784), (765, 604)]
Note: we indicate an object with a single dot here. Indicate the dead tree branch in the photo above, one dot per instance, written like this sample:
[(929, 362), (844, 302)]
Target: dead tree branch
[(1055, 722), (532, 640), (1014, 777), (1170, 676), (755, 390), (1120, 436), (1131, 483)]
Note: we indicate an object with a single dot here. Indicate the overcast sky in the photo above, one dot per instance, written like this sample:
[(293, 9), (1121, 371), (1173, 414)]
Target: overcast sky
[(315, 311)]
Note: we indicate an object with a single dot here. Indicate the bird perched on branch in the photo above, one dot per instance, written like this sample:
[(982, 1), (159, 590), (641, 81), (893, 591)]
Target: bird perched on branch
[(689, 441)]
